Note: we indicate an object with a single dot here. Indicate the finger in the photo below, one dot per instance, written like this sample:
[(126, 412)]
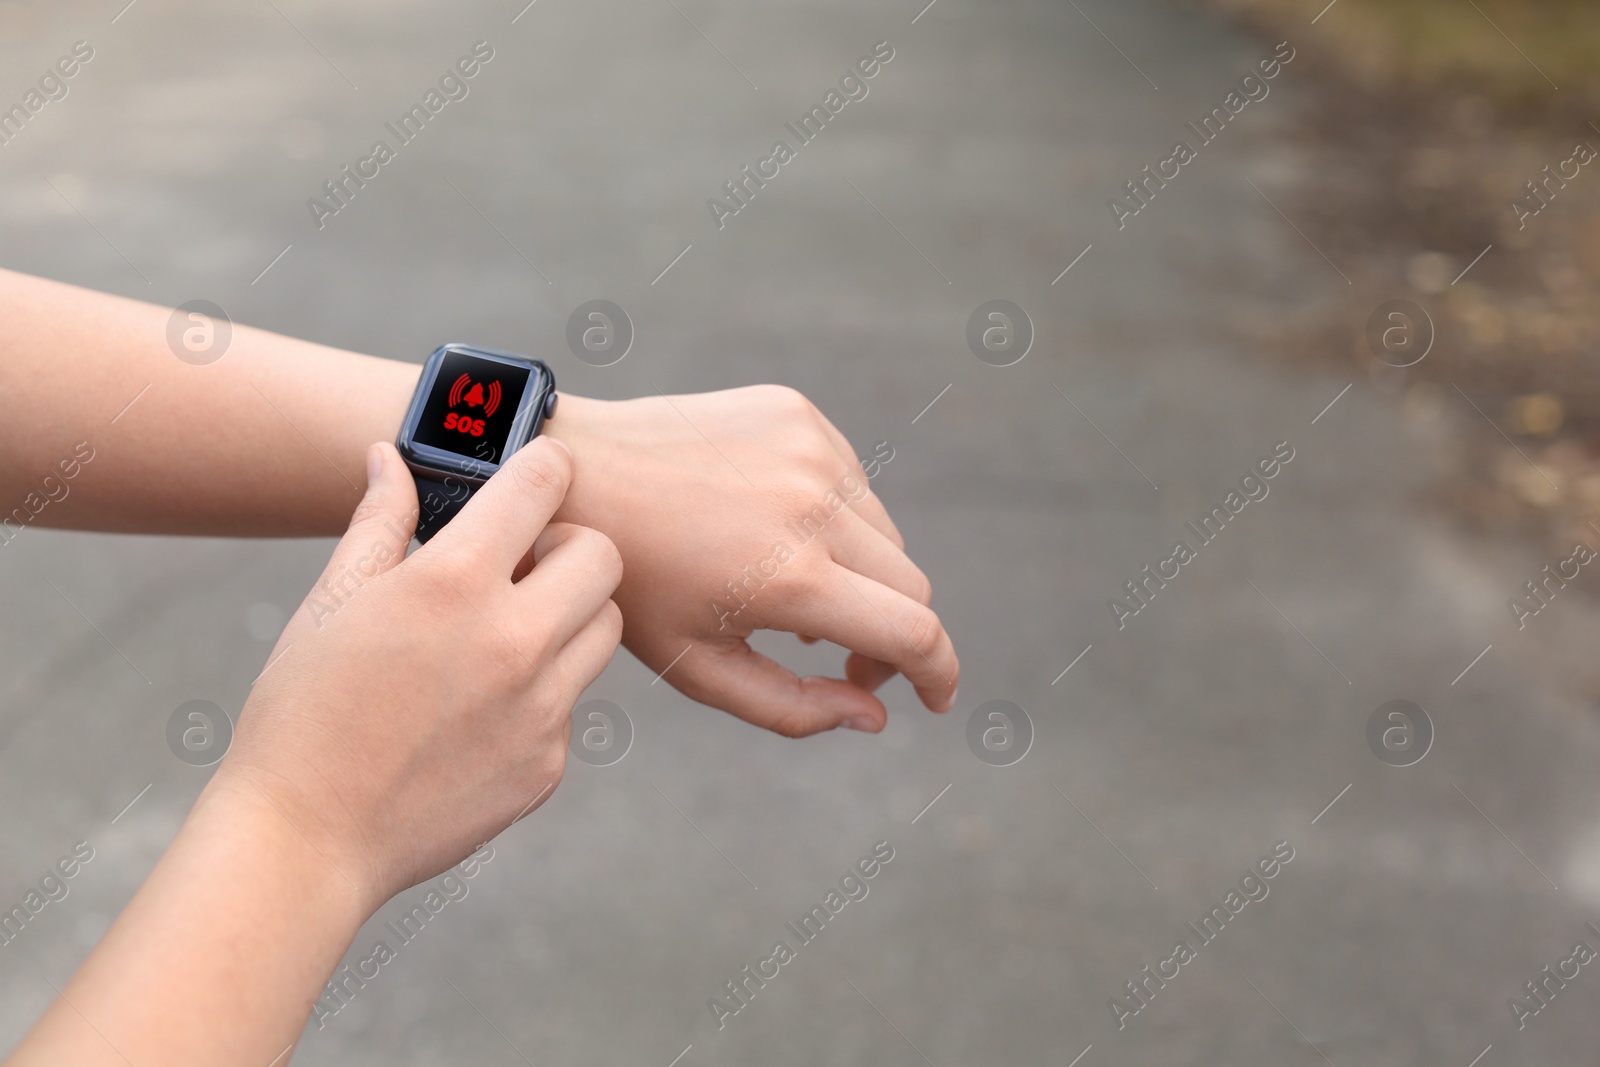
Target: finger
[(870, 618), (868, 673), (583, 658), (541, 544), (382, 524), (380, 531), (505, 516), (856, 545), (864, 551), (577, 571), (734, 677), (869, 507), (861, 670)]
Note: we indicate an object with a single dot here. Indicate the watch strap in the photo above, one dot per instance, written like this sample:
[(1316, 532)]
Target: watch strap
[(438, 501)]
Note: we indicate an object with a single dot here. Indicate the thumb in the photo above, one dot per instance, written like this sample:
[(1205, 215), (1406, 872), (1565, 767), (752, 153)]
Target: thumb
[(736, 678), (376, 541), (381, 526)]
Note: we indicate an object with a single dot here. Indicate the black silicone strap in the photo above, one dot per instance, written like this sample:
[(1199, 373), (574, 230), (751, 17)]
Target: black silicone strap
[(438, 501)]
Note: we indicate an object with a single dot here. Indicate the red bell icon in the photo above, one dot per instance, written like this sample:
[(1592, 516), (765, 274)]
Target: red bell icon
[(474, 397)]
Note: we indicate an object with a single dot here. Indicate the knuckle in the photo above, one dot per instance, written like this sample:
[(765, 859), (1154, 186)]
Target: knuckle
[(925, 634), (791, 724), (786, 399), (801, 490), (792, 719)]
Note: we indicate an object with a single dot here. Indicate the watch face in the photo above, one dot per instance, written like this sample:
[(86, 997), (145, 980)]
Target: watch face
[(470, 409)]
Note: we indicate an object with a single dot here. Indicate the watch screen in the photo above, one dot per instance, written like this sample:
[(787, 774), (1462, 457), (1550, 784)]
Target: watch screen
[(472, 405)]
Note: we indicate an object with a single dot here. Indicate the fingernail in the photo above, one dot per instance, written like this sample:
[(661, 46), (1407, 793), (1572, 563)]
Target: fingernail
[(374, 464), (954, 693), (860, 722)]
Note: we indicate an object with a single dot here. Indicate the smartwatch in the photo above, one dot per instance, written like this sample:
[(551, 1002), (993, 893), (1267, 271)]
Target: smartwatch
[(472, 409)]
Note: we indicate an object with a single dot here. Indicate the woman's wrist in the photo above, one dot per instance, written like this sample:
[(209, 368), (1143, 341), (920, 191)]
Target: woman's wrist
[(592, 430), (298, 857)]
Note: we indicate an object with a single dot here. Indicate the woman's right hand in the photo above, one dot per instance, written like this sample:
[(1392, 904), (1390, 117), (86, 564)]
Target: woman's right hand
[(414, 708)]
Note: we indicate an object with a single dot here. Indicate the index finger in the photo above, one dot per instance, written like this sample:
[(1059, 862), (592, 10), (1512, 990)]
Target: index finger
[(886, 625), (506, 515)]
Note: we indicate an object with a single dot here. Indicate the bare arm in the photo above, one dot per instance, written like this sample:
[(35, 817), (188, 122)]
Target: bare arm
[(734, 511), (388, 741), (265, 441), (278, 918)]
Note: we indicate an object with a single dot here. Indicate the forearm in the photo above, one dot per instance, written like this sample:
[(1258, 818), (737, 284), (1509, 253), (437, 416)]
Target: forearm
[(218, 957), (267, 440)]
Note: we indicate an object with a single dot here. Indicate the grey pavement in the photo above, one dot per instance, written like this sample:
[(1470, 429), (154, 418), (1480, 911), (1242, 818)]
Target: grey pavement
[(1173, 755)]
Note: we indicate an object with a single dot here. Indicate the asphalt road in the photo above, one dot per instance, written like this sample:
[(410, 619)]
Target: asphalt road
[(1176, 753)]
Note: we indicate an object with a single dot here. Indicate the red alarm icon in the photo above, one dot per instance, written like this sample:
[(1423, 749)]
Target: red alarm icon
[(474, 397)]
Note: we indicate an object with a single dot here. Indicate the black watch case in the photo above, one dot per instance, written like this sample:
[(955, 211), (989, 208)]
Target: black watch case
[(536, 404)]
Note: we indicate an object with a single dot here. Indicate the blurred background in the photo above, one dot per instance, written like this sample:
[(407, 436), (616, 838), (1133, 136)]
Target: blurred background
[(1435, 870)]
